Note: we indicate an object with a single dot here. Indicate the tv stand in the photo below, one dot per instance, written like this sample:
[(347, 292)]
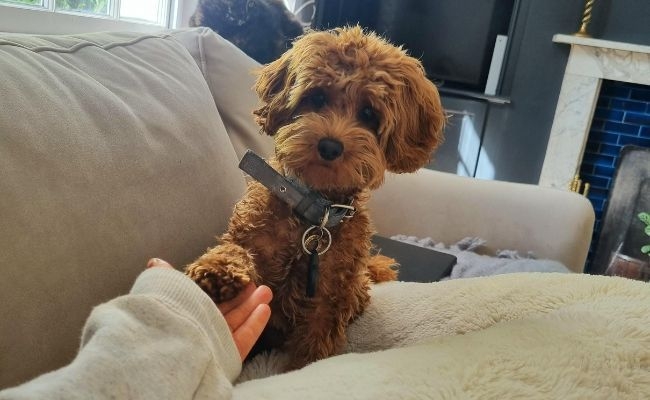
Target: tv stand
[(474, 95)]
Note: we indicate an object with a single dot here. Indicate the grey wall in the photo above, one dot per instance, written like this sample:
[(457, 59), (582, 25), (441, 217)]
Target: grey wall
[(516, 134)]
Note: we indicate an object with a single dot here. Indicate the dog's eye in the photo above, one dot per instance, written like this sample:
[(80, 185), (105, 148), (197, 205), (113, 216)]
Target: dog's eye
[(317, 99), (369, 117)]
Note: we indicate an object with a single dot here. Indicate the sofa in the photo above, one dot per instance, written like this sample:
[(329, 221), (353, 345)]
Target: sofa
[(117, 147)]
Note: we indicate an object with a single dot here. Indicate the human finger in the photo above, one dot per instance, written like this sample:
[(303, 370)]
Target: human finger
[(250, 330), (238, 315), (158, 263), (235, 302)]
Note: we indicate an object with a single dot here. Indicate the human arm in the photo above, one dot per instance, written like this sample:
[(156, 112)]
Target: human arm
[(165, 339)]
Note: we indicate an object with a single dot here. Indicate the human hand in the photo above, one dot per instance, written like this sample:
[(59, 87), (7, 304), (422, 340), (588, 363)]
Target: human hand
[(246, 315)]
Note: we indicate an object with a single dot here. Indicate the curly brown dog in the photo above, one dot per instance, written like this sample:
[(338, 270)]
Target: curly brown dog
[(344, 106)]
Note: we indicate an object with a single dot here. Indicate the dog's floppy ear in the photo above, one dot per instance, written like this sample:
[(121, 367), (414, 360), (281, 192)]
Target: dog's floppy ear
[(272, 88), (419, 121)]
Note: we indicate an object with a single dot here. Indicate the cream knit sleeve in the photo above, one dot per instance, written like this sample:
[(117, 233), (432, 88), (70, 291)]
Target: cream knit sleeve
[(164, 340)]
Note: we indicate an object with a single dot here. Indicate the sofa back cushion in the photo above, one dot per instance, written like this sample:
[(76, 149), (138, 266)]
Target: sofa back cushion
[(112, 152), (230, 75)]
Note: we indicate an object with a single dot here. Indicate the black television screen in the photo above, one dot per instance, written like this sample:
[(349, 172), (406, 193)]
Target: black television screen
[(454, 39)]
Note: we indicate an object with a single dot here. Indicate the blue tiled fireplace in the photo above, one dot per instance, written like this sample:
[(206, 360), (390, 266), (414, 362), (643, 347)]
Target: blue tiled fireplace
[(602, 108), (621, 118)]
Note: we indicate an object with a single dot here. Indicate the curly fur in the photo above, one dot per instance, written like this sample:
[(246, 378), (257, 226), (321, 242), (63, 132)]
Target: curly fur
[(349, 87), (263, 29)]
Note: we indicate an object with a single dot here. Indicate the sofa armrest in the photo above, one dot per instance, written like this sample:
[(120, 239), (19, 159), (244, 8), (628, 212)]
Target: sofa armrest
[(549, 223)]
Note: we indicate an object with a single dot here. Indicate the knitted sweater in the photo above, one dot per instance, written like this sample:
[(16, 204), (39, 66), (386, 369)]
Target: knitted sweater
[(164, 340)]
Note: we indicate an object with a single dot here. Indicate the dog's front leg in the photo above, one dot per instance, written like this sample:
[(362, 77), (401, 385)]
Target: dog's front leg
[(320, 332), (223, 271), (318, 335)]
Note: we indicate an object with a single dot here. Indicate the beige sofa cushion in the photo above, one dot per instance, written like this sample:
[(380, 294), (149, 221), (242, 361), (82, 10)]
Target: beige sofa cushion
[(230, 74), (112, 152)]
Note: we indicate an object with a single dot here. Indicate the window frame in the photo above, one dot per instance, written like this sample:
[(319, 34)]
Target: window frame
[(17, 18)]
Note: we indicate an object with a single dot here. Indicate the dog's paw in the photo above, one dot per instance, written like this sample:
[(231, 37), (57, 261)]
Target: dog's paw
[(220, 284), (222, 276)]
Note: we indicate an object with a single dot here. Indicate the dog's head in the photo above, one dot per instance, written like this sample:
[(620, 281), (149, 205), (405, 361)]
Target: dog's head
[(344, 106)]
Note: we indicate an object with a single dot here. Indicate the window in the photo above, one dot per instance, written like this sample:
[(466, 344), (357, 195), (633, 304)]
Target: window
[(149, 11), (74, 16), (29, 2), (99, 7), (145, 10), (305, 10)]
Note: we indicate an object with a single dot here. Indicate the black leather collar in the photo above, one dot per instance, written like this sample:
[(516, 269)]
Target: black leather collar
[(308, 204)]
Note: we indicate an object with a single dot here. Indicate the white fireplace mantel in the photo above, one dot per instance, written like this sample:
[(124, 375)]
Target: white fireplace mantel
[(590, 61)]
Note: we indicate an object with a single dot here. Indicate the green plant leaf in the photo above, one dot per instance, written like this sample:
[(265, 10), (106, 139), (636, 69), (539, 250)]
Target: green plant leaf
[(645, 217), (645, 249), (647, 230)]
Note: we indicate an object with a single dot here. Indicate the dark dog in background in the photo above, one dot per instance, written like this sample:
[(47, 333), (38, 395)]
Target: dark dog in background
[(263, 29)]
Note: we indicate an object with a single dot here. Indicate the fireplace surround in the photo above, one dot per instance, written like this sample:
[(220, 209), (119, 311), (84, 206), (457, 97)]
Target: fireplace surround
[(590, 62)]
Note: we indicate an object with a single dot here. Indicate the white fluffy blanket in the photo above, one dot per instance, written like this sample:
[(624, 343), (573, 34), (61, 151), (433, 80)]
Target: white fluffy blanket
[(511, 336)]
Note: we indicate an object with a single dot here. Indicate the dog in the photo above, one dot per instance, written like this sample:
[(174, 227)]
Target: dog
[(263, 29), (343, 106)]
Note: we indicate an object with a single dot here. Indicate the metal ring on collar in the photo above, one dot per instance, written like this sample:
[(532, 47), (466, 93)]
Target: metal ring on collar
[(329, 239), (326, 218)]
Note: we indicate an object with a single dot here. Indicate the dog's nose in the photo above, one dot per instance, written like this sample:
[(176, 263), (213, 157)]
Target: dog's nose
[(330, 149)]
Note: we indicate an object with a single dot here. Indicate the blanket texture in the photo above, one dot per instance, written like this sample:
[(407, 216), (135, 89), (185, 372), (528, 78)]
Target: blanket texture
[(511, 336)]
